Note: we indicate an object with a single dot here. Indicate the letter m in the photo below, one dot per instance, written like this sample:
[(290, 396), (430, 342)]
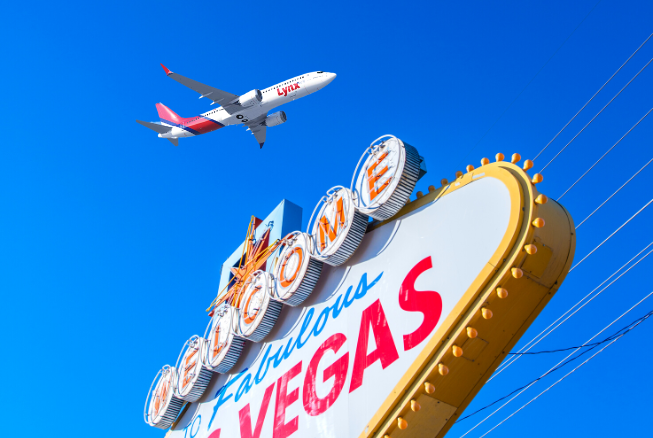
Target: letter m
[(331, 232)]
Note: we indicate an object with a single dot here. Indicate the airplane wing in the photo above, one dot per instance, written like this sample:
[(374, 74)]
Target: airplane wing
[(226, 100), (258, 128)]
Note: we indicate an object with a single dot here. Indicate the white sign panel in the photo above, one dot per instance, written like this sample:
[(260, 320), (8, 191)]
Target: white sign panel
[(328, 365)]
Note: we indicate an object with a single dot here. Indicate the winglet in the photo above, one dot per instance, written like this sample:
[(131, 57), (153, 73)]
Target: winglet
[(168, 72), (261, 145)]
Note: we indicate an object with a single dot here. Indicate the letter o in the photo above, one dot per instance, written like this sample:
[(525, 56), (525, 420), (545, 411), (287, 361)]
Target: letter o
[(285, 282)]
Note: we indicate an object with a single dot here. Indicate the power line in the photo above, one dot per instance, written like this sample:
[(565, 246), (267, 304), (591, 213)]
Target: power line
[(559, 365), (555, 367), (561, 379), (617, 336), (592, 98), (535, 339), (603, 156), (533, 342), (532, 382), (593, 344), (610, 236), (610, 197), (597, 114), (530, 82)]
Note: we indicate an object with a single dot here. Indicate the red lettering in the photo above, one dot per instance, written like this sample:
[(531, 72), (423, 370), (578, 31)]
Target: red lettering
[(279, 91), (281, 428), (313, 405), (245, 416), (386, 351), (429, 303)]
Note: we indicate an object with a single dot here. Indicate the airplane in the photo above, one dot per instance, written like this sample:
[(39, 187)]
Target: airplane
[(250, 109)]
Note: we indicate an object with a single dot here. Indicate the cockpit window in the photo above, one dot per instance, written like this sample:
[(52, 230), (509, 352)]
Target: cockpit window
[(320, 72)]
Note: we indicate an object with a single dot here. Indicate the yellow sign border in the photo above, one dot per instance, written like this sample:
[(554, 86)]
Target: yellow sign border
[(539, 278)]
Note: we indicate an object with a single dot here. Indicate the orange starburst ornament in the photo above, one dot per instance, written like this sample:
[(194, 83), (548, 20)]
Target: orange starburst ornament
[(254, 257)]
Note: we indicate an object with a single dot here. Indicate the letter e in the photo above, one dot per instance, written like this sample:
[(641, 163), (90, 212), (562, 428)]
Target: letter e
[(284, 399)]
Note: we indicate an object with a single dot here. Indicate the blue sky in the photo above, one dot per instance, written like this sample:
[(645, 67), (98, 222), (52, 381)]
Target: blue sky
[(104, 227)]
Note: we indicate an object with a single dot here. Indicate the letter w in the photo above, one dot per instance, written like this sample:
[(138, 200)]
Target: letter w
[(326, 230), (246, 420)]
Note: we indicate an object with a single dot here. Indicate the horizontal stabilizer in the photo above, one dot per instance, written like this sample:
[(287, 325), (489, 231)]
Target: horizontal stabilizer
[(161, 129), (174, 141)]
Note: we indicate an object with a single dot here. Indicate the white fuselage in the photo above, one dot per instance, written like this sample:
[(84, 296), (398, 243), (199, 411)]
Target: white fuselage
[(273, 97)]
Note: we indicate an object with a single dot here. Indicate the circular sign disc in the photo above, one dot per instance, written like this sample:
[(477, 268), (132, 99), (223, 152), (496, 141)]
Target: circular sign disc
[(387, 178), (192, 376), (258, 312), (296, 272), (222, 348), (162, 405), (338, 228)]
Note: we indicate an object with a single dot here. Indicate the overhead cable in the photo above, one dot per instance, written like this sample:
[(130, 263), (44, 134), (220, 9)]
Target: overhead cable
[(597, 114), (593, 344), (535, 340), (610, 197), (603, 156), (552, 369), (584, 301), (592, 98), (610, 236), (563, 378)]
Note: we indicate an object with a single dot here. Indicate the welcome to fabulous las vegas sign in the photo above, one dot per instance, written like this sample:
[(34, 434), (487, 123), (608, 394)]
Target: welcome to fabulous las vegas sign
[(370, 328)]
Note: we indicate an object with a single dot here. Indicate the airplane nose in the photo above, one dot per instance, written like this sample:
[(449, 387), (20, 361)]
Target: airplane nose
[(330, 77)]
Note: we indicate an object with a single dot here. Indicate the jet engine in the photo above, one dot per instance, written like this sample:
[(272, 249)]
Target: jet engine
[(275, 119), (251, 98)]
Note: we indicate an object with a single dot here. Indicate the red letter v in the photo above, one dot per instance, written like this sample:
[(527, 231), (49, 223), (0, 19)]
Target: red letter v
[(245, 417)]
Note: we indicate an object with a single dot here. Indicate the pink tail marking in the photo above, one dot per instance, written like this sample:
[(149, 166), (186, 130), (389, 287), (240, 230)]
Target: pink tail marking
[(168, 115)]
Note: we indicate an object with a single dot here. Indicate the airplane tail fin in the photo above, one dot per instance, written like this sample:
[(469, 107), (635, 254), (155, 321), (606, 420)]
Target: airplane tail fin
[(167, 115)]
